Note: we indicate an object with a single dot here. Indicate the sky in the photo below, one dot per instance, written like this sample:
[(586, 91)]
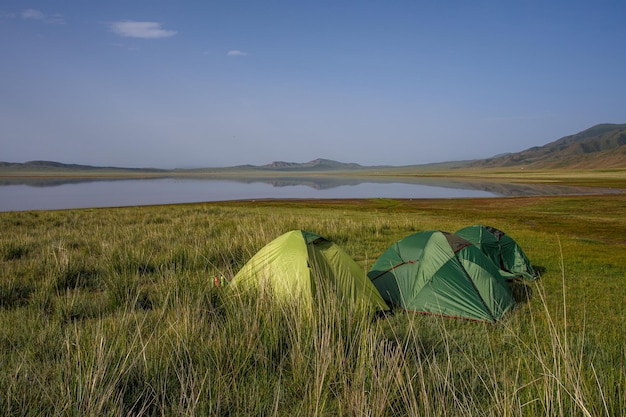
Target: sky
[(181, 84)]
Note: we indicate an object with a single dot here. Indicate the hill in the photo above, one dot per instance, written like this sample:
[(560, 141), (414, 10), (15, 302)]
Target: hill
[(52, 167), (319, 164), (601, 146)]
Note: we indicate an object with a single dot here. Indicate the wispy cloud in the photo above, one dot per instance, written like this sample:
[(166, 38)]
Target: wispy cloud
[(144, 30), (236, 52), (56, 19), (32, 14), (35, 14)]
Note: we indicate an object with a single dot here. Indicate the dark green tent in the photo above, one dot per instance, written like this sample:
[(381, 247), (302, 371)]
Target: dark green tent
[(441, 273), (501, 249), (296, 264)]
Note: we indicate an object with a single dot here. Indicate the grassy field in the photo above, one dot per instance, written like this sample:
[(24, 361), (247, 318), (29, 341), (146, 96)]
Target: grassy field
[(113, 312)]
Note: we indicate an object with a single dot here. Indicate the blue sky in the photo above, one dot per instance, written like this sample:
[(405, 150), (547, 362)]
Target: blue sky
[(218, 83)]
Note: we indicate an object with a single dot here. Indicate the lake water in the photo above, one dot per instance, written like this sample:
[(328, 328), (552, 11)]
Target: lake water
[(52, 194)]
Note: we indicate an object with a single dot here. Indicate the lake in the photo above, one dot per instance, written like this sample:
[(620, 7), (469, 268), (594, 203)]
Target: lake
[(57, 193)]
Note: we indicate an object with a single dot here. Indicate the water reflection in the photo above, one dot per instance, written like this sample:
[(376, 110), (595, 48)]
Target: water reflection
[(59, 181), (62, 193), (328, 182), (495, 188)]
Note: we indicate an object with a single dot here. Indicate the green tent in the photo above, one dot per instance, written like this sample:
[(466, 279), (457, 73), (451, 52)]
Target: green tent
[(501, 249), (295, 265), (441, 273)]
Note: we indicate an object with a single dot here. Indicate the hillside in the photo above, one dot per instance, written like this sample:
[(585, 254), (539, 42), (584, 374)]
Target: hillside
[(319, 164), (601, 146), (52, 167)]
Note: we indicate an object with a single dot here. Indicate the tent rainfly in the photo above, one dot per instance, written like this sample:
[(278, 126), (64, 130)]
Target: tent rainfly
[(501, 249), (441, 273), (295, 266)]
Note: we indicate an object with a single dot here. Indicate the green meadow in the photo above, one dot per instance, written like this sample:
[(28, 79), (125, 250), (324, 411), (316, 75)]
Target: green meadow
[(114, 312)]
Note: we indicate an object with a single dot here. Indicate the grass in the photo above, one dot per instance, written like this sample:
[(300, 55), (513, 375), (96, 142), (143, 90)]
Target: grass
[(113, 312)]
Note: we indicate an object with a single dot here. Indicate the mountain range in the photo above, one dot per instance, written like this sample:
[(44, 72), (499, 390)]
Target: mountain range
[(599, 147)]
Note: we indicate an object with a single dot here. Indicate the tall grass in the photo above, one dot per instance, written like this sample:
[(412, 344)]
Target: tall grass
[(114, 312)]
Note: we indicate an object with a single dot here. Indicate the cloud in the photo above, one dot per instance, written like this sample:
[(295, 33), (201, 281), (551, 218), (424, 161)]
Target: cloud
[(35, 14), (144, 30), (32, 14), (56, 18), (236, 52)]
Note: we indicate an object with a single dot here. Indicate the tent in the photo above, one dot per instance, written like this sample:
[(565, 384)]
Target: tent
[(441, 273), (501, 249), (298, 264)]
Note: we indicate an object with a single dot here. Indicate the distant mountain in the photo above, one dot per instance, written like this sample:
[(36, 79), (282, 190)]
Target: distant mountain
[(315, 165), (51, 167), (601, 146)]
